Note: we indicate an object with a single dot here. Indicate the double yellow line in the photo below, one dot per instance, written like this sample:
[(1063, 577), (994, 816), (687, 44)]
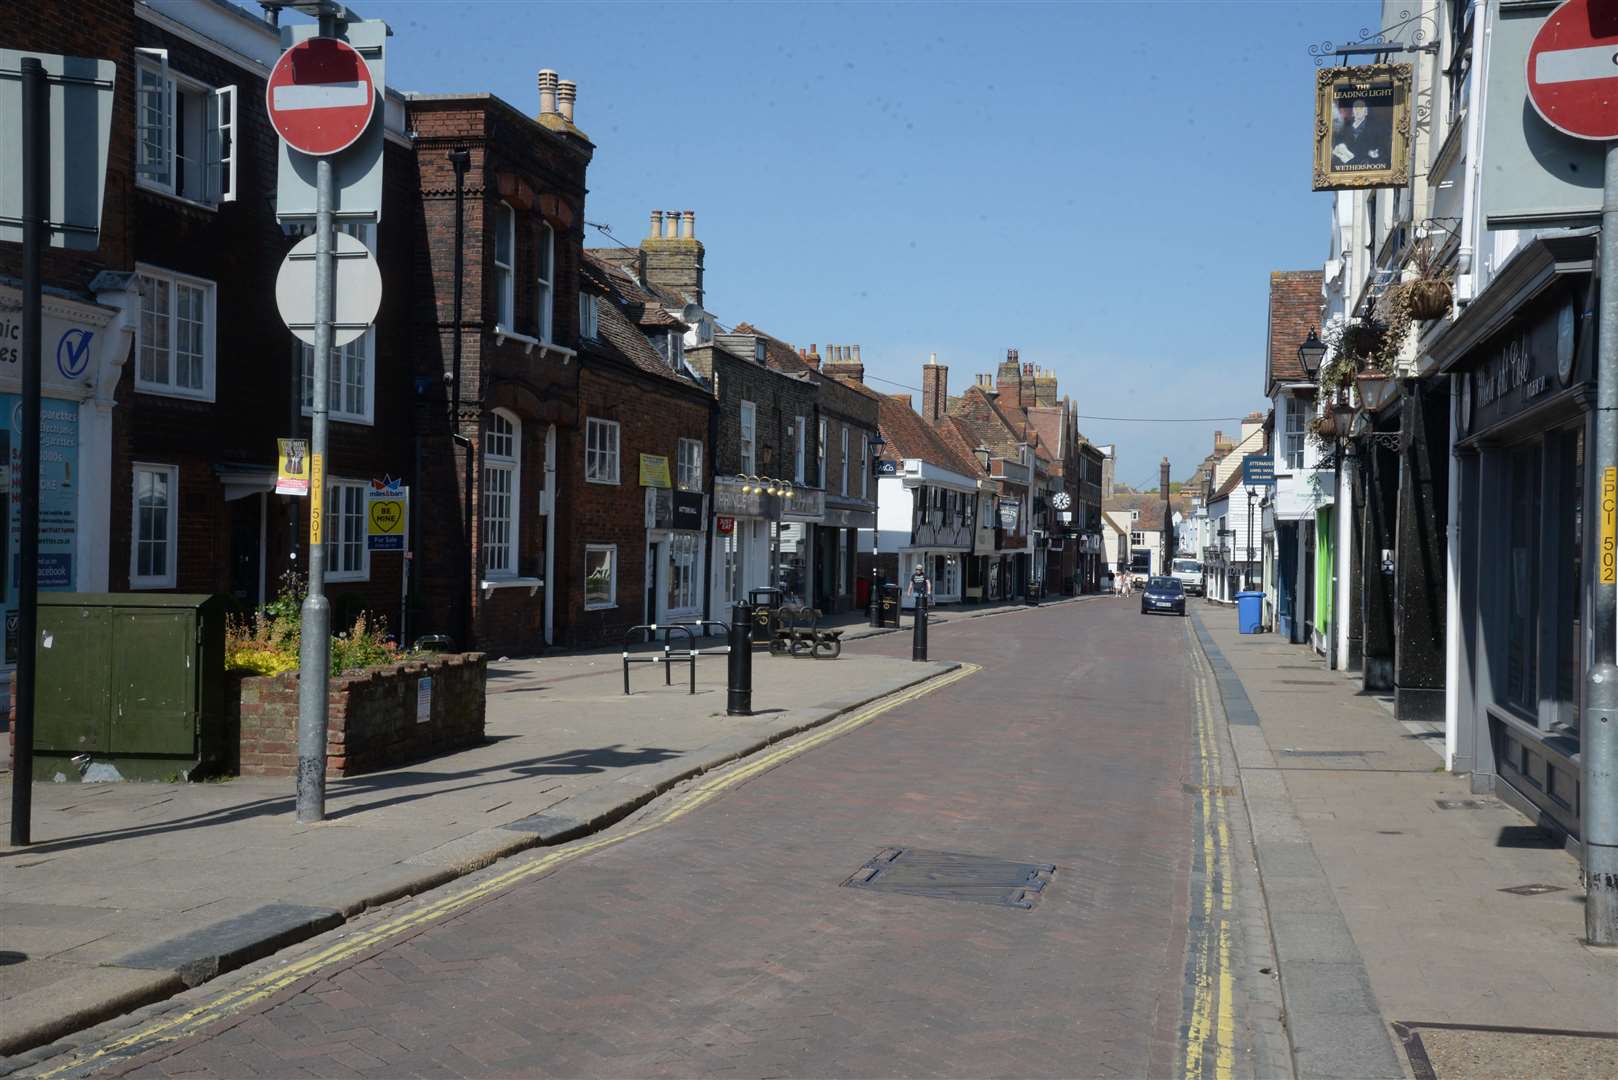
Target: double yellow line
[(1211, 1029), (262, 986)]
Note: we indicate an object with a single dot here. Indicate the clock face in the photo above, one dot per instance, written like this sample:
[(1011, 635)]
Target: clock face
[(1061, 500), (1564, 344)]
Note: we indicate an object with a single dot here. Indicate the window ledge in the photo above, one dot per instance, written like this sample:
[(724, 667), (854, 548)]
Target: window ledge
[(148, 186), (206, 396), (530, 343), (488, 585), (599, 607)]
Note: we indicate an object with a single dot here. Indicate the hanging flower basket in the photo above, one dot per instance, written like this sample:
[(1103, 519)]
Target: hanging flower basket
[(1429, 298), (1363, 338)]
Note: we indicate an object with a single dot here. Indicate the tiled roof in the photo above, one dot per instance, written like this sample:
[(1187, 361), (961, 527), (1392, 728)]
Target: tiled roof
[(909, 436), (617, 337), (957, 436), (777, 353), (1149, 504), (1294, 311)]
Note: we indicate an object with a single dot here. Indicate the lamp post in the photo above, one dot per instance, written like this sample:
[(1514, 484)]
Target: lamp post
[(876, 443), (1247, 571)]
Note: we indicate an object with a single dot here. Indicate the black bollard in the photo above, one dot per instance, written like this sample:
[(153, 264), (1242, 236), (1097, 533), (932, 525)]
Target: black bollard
[(918, 644), (876, 600), (739, 701)]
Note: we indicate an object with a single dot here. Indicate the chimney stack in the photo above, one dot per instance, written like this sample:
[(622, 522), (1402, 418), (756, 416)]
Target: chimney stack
[(934, 390), (843, 362), (672, 255), (1008, 380), (566, 92), (547, 91)]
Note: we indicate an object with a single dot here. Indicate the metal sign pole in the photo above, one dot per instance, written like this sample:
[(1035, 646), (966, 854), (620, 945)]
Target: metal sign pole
[(35, 200), (314, 649), (1598, 736)]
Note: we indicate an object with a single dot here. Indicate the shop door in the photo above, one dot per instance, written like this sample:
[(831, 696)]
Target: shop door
[(654, 557), (246, 555), (826, 563)]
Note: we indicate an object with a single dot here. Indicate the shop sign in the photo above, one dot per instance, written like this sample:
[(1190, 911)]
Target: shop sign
[(725, 524), (654, 471), (291, 467), (688, 510), (737, 499), (1517, 370), (58, 502), (803, 504), (70, 344)]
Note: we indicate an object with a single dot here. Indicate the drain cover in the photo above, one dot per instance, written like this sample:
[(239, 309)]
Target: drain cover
[(1465, 804), (950, 875), (1533, 890)]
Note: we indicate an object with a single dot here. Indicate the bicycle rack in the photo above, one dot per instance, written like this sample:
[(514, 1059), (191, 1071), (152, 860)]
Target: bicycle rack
[(669, 656)]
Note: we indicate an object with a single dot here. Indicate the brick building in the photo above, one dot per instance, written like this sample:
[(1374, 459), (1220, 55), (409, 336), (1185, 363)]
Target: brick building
[(489, 464)]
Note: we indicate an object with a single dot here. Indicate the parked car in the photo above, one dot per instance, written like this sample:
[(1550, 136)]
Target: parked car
[(1163, 594), (1188, 572)]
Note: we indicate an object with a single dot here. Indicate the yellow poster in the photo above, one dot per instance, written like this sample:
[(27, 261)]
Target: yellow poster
[(1609, 526), (291, 467), (317, 500), (654, 471)]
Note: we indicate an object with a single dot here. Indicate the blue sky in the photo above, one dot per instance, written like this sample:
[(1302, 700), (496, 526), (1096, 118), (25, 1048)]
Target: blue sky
[(1104, 186)]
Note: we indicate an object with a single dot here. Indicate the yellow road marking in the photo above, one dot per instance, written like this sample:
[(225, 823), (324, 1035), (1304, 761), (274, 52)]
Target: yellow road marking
[(173, 1028), (1211, 1028)]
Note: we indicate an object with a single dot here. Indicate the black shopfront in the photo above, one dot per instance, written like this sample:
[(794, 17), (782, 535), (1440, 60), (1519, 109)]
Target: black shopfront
[(1522, 359)]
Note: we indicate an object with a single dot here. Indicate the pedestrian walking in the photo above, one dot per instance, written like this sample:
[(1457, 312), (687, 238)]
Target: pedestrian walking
[(921, 586)]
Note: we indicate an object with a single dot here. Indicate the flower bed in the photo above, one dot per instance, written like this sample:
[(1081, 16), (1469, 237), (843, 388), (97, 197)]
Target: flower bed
[(379, 717)]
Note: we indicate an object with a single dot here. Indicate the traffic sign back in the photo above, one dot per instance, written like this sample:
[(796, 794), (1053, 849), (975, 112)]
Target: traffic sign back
[(320, 96), (1573, 69), (357, 290)]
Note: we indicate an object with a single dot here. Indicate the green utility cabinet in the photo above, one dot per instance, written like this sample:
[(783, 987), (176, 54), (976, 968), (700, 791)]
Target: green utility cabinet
[(130, 686)]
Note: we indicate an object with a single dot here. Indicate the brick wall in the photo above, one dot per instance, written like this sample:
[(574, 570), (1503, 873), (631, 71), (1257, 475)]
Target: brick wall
[(778, 399), (372, 723)]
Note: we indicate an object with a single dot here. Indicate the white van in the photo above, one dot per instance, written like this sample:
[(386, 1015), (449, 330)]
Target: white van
[(1189, 574)]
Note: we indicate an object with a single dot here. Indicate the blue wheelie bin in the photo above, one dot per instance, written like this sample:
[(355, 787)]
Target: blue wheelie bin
[(1249, 612)]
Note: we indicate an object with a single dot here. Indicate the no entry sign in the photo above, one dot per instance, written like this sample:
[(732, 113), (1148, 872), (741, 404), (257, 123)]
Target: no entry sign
[(1573, 69), (320, 96)]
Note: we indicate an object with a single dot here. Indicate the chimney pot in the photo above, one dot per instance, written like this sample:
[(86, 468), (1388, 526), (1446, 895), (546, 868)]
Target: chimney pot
[(671, 224), (547, 91), (688, 225), (856, 354), (1011, 356), (566, 92), (812, 347), (657, 224)]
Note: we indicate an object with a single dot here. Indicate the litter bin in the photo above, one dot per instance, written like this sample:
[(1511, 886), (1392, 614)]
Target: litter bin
[(892, 596), (1250, 612)]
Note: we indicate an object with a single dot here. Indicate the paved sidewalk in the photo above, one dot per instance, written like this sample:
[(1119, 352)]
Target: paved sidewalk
[(1418, 867), (132, 891)]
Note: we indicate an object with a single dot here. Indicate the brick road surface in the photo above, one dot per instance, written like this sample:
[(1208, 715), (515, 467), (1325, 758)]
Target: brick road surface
[(722, 943)]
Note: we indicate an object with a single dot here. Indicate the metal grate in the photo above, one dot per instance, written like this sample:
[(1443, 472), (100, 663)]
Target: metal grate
[(1533, 890), (949, 875)]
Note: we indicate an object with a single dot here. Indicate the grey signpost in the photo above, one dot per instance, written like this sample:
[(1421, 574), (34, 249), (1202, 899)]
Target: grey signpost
[(323, 101), (50, 192)]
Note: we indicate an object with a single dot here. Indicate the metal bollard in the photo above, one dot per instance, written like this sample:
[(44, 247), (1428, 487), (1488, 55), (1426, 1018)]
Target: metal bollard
[(876, 600), (739, 697), (918, 643)]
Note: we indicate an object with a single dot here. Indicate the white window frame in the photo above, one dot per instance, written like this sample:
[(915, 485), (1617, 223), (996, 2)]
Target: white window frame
[(345, 529), (845, 461), (749, 438), (504, 462), (688, 468), (588, 325), (217, 130), (602, 463), (1294, 458), (820, 455), (545, 285), (611, 551), (801, 455), (505, 283), (167, 579), (210, 332)]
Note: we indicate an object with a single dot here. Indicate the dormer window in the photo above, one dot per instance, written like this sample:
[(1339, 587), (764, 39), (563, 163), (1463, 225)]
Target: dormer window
[(758, 351), (676, 349)]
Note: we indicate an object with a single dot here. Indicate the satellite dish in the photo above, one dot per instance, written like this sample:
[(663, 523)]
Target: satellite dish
[(691, 315)]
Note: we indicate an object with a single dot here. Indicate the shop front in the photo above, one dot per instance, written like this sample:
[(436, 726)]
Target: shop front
[(837, 552), (674, 552), (801, 513), (85, 346), (1522, 356)]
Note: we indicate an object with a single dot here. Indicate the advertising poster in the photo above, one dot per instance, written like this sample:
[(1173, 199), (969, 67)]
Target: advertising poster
[(58, 502)]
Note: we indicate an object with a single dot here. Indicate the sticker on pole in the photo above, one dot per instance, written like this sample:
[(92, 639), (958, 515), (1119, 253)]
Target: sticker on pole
[(320, 96), (1573, 69), (1608, 555)]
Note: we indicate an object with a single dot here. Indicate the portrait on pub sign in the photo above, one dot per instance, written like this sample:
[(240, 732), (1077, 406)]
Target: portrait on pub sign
[(1362, 127)]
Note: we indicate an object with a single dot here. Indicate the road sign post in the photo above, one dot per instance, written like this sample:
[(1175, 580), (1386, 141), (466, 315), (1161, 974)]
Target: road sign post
[(1573, 83), (321, 100)]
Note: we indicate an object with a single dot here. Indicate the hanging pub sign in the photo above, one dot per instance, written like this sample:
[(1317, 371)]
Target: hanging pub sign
[(1362, 127), (1010, 513)]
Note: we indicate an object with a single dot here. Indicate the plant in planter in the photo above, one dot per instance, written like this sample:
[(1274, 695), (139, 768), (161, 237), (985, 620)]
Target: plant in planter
[(1428, 295)]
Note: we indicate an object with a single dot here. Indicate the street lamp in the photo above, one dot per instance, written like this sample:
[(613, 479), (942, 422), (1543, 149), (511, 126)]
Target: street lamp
[(875, 444), (1311, 353)]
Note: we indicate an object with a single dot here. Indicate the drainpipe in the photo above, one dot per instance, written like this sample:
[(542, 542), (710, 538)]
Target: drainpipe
[(1452, 585), (550, 534), (1343, 546)]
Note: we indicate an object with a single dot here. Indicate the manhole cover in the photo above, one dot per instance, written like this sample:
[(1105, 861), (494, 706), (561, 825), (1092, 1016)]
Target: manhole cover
[(950, 875), (1533, 890)]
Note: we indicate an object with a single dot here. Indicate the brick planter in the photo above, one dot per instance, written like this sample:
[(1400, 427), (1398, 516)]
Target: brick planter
[(373, 723)]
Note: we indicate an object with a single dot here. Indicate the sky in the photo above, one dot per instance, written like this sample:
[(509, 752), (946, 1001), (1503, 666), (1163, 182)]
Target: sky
[(1102, 186)]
